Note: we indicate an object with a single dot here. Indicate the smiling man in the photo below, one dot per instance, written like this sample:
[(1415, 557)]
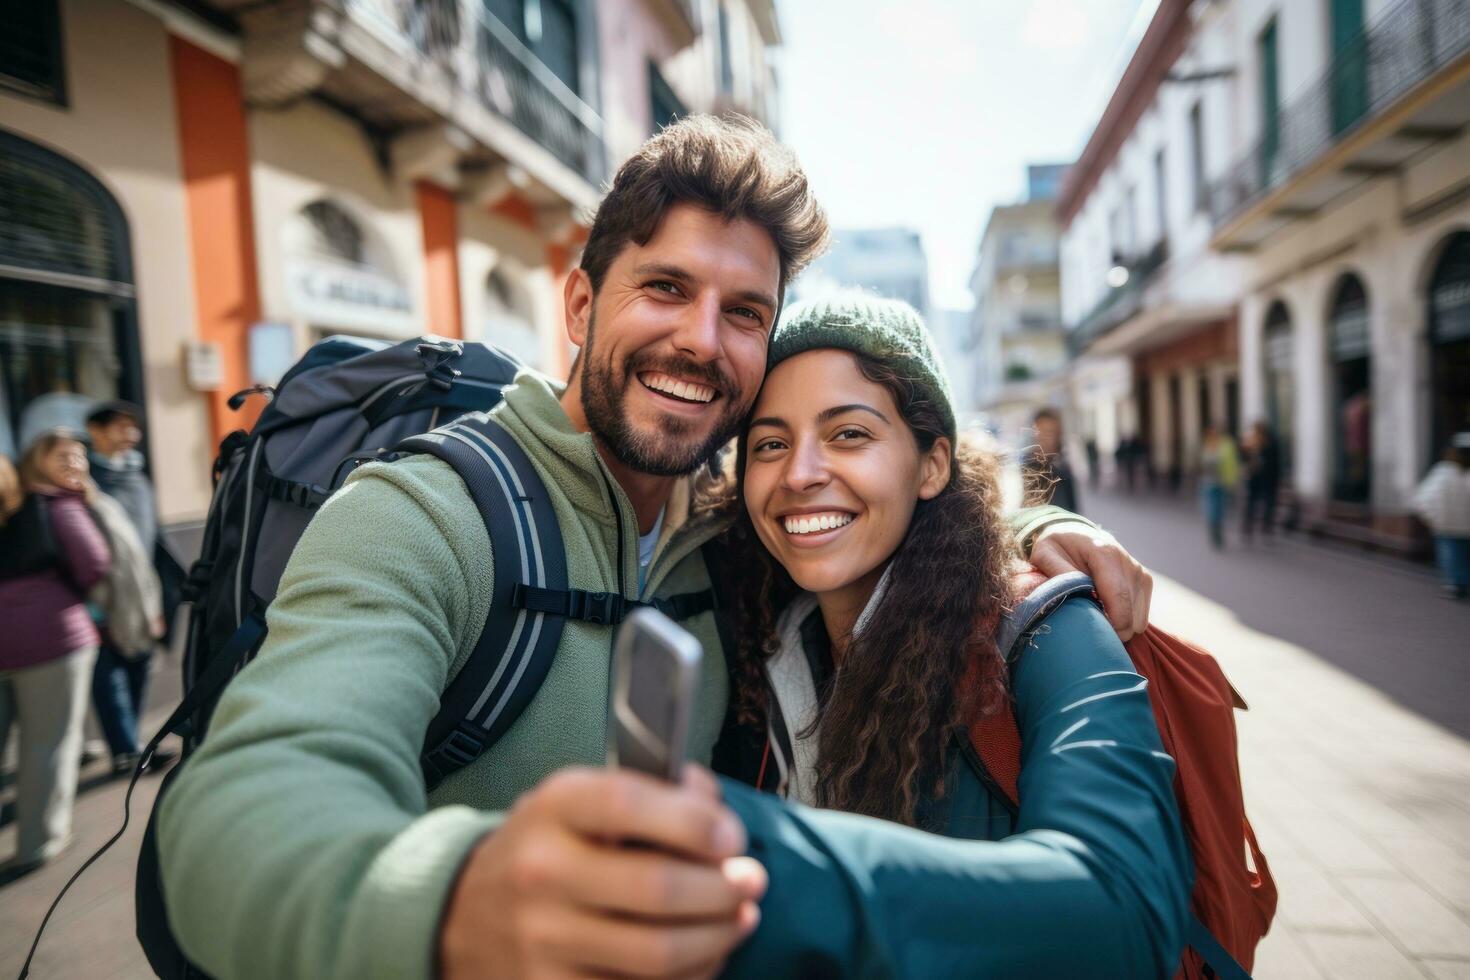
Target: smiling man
[(301, 841)]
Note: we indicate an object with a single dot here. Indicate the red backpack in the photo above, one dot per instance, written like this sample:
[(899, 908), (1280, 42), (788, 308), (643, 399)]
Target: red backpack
[(1234, 896)]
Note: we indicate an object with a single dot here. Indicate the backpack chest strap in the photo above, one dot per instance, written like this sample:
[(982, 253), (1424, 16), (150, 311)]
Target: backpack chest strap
[(606, 608)]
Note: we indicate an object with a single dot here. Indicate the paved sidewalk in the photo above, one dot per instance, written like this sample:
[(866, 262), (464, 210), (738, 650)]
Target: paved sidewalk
[(1362, 803), (1362, 806)]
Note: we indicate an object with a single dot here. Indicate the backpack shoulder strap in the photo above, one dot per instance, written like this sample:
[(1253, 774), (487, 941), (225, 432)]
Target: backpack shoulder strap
[(1022, 621), (517, 645), (995, 740)]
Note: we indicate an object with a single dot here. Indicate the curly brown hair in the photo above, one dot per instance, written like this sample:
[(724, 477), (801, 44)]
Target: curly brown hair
[(925, 664)]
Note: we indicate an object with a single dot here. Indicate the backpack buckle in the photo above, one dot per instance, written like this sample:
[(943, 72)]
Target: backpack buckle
[(437, 357), (598, 608), (459, 749)]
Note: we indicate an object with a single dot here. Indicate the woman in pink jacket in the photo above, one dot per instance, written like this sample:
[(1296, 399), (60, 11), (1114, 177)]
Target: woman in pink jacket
[(51, 554)]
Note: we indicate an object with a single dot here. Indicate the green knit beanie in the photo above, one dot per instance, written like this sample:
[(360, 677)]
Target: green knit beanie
[(886, 330)]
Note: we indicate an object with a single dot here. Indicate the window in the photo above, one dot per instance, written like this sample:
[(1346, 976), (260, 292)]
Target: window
[(1270, 81), (334, 233), (30, 50), (548, 28), (1130, 222), (727, 66), (665, 104), (1197, 155), (1161, 195), (61, 348), (1349, 64), (556, 40)]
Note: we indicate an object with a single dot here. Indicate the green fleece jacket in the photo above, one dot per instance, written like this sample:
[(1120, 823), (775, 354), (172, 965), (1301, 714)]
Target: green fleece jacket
[(299, 841)]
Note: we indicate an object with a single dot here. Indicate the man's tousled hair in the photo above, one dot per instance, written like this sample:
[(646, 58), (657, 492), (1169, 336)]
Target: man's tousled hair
[(731, 166)]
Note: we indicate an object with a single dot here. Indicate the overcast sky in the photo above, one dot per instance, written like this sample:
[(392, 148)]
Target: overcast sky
[(924, 113)]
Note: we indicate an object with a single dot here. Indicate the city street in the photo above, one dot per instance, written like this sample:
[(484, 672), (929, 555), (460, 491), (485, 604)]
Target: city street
[(1356, 766)]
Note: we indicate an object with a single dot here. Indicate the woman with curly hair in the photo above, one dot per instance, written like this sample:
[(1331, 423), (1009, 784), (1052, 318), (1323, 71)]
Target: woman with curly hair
[(873, 570)]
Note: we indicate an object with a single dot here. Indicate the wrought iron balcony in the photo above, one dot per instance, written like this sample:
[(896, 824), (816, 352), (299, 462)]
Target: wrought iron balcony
[(484, 58), (1402, 48), (1120, 303)]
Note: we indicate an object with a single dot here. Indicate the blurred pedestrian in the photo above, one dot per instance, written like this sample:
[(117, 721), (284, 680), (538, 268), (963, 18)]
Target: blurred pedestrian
[(1219, 470), (51, 554), (1094, 462), (130, 634), (1263, 479), (1443, 500), (1045, 470)]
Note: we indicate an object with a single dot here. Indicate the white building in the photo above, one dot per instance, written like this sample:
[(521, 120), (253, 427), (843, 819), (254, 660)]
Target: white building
[(1348, 199), (1018, 347), (1285, 186), (1152, 307)]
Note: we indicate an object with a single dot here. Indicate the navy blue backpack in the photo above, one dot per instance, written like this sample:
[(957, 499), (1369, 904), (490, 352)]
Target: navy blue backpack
[(346, 402)]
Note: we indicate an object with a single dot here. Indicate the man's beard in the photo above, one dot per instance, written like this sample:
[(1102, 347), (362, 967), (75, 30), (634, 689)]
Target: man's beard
[(675, 449)]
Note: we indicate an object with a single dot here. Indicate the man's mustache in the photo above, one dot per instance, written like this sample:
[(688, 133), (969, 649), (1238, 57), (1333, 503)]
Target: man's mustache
[(685, 370)]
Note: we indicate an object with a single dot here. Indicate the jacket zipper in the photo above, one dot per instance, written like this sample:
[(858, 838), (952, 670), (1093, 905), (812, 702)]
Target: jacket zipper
[(673, 555), (617, 509)]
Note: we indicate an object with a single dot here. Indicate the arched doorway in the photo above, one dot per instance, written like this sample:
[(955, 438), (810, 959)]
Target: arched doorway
[(509, 316), (1279, 354), (68, 317), (341, 277), (1350, 370), (1449, 343)]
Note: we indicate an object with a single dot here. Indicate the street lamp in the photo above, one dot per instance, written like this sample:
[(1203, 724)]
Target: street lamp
[(1117, 276)]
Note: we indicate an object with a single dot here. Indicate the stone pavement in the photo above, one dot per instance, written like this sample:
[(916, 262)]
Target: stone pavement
[(1362, 806), (1361, 797)]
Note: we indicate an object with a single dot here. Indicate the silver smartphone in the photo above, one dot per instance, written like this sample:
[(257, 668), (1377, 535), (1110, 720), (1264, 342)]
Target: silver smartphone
[(656, 666)]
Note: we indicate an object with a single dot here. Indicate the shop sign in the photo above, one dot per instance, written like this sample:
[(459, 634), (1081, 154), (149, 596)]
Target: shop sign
[(341, 294), (204, 365)]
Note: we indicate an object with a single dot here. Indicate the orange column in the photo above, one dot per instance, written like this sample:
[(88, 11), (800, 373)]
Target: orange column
[(215, 154), (559, 261), (441, 259)]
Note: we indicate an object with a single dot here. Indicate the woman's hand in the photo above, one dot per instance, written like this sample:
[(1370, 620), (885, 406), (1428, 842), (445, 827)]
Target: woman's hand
[(1124, 587)]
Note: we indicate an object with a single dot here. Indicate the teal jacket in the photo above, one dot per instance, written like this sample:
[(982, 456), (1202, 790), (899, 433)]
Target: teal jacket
[(300, 842), (1091, 878)]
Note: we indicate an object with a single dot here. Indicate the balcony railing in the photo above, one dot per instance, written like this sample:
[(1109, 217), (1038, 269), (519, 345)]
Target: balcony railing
[(485, 58), (1121, 302), (1404, 45)]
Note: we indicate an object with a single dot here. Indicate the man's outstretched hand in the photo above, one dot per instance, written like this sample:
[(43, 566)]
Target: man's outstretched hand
[(557, 891), (1124, 586)]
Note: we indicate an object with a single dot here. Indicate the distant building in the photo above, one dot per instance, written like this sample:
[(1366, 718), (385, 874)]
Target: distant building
[(1044, 180), (1017, 343), (951, 330), (887, 261)]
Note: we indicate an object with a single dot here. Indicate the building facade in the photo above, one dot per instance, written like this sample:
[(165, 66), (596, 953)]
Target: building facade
[(1152, 308), (1348, 199), (1018, 347), (1272, 222), (191, 194)]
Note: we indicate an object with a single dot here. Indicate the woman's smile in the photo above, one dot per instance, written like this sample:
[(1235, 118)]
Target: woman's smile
[(812, 529)]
